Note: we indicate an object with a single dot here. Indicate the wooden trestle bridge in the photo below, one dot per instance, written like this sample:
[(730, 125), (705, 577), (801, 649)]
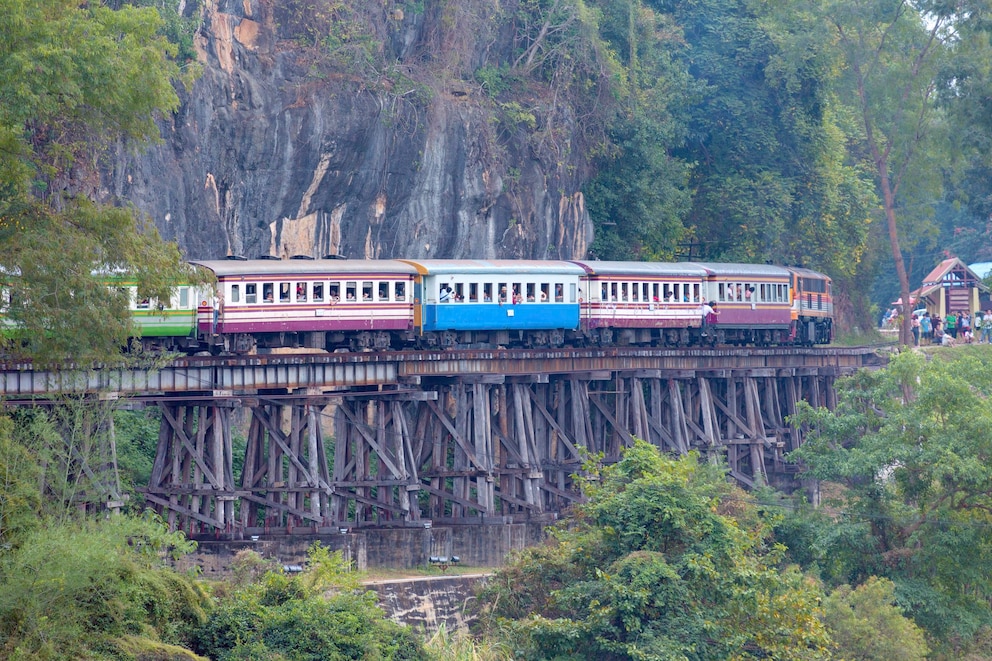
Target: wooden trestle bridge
[(352, 440)]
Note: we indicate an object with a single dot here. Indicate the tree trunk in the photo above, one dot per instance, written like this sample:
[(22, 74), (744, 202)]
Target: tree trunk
[(905, 328)]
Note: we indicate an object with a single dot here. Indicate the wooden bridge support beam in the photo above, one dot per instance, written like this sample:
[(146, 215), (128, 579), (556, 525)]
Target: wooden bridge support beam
[(465, 450), (192, 480)]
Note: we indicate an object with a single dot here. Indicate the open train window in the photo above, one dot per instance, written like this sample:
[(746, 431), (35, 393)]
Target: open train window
[(487, 292), (545, 292), (531, 298), (459, 294), (350, 291), (284, 292), (251, 293), (268, 292), (301, 291), (400, 291), (235, 293), (473, 292), (383, 291), (318, 292), (502, 292), (559, 293), (334, 292), (367, 290)]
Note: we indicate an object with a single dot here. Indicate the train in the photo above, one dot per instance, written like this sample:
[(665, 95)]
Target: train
[(379, 305)]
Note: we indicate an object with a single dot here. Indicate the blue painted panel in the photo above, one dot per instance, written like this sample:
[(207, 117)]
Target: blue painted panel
[(492, 316)]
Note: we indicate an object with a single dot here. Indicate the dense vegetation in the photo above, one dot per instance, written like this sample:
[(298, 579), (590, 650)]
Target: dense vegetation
[(666, 559)]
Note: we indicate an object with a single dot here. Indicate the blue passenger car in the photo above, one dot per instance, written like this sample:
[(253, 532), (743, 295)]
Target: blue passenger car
[(495, 302)]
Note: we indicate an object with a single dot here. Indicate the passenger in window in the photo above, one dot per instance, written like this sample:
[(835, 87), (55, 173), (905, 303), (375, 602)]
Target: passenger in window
[(301, 292)]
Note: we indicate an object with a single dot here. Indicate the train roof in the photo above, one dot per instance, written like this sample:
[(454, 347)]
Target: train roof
[(289, 267), (493, 266), (743, 270), (808, 273), (643, 268)]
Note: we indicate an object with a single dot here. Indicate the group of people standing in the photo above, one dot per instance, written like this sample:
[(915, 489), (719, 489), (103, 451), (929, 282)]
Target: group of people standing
[(953, 328)]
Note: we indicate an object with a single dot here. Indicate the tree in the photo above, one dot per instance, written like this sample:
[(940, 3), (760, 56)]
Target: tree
[(640, 196), (665, 560), (910, 447), (866, 625), (74, 80), (893, 56)]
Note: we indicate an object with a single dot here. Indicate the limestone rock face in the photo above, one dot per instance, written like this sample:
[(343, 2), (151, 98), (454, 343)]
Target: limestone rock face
[(268, 157)]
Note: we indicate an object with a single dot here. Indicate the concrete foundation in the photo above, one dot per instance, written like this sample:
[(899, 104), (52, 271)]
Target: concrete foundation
[(395, 548)]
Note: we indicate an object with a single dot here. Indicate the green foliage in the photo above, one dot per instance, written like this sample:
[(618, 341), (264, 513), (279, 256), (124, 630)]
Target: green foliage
[(20, 500), (321, 613), (662, 562), (909, 447), (494, 80), (75, 79), (79, 590), (866, 624)]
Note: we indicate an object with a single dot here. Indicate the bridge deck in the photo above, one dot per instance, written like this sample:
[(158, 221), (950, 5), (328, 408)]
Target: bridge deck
[(327, 373)]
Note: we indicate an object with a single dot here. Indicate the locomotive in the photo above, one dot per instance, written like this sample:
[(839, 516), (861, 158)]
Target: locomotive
[(360, 305)]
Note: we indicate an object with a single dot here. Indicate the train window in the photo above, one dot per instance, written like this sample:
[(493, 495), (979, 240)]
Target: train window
[(605, 294), (400, 291), (559, 292), (487, 292), (517, 296), (530, 289), (235, 293), (318, 292), (722, 292), (635, 290), (545, 292), (459, 292), (251, 293), (695, 294), (571, 292), (383, 291), (473, 292), (502, 292), (284, 290), (614, 292), (350, 291), (184, 297), (267, 292), (334, 292), (623, 292), (367, 290), (301, 291)]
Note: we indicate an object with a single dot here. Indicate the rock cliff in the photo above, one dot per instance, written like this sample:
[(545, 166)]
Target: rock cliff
[(276, 152)]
